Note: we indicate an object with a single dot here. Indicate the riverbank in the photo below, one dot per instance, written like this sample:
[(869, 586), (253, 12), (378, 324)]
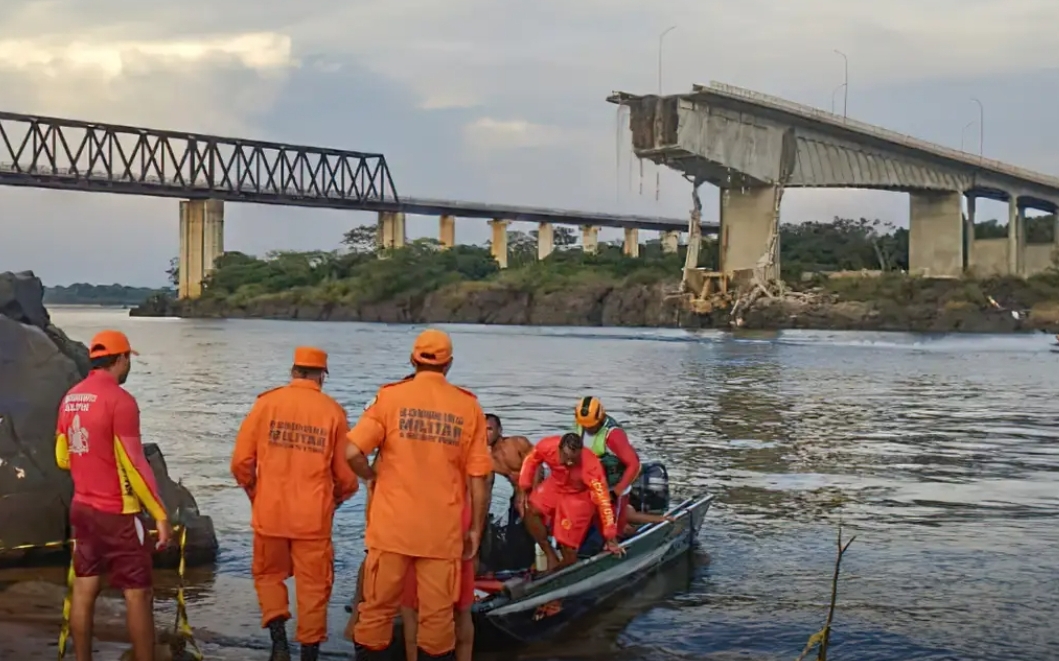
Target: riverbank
[(884, 303), (31, 617)]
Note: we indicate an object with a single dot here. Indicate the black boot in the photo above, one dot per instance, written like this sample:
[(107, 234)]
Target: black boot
[(447, 656), (365, 654), (277, 628), (311, 652)]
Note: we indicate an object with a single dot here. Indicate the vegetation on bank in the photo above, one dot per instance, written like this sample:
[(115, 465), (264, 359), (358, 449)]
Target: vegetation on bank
[(358, 273), (82, 293)]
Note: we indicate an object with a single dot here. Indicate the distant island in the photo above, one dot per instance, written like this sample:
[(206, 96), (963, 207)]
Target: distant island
[(82, 293), (843, 275)]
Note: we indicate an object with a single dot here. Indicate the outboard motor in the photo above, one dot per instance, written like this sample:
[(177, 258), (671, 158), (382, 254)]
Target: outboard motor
[(650, 491)]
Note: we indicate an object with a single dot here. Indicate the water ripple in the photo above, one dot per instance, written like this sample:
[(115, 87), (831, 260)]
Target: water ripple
[(939, 452)]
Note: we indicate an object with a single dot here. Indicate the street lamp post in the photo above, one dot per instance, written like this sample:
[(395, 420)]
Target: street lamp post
[(845, 84), (963, 134), (658, 169), (981, 129), (661, 37), (833, 93)]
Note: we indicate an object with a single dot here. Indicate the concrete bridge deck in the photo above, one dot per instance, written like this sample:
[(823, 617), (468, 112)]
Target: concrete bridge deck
[(754, 145)]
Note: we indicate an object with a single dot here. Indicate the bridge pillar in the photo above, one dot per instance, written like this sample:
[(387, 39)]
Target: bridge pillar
[(935, 234), (968, 234), (499, 242), (391, 230), (545, 240), (201, 243), (590, 239), (632, 242), (671, 242), (447, 231), (1015, 232), (748, 223)]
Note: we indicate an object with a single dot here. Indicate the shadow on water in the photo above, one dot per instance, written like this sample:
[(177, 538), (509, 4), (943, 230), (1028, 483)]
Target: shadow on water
[(941, 453)]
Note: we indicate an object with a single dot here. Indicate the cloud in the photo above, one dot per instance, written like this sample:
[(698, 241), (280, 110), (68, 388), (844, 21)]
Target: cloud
[(488, 133)]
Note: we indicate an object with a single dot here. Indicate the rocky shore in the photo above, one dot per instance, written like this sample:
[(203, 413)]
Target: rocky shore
[(635, 305)]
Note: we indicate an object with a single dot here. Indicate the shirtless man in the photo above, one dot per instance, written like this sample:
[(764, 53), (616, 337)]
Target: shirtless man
[(508, 454)]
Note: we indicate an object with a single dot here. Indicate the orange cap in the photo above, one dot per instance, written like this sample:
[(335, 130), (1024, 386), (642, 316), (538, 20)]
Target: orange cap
[(109, 343), (432, 347), (310, 358)]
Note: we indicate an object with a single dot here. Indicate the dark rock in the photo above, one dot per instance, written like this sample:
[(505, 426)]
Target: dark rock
[(38, 364)]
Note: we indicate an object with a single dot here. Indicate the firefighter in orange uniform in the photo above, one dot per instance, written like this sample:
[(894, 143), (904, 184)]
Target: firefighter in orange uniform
[(290, 458), (432, 441)]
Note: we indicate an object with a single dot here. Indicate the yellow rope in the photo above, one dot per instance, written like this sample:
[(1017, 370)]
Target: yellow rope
[(182, 628)]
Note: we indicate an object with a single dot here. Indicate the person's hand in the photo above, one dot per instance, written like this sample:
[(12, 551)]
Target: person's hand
[(522, 504), (614, 548), (668, 518), (165, 533), (471, 541)]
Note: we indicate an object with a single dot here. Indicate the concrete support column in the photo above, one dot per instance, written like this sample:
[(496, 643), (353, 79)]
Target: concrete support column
[(499, 242), (935, 234), (1014, 229), (632, 242), (391, 231), (545, 240), (201, 243), (671, 242), (968, 233), (590, 239), (447, 231), (748, 223), (1020, 245)]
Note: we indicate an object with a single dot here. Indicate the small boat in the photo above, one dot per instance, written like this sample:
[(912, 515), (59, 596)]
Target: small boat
[(528, 609), (518, 606)]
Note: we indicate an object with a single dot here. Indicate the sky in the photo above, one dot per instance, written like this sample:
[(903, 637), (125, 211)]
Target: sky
[(492, 101)]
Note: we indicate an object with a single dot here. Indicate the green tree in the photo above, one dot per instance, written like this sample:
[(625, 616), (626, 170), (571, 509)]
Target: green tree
[(173, 272), (362, 239)]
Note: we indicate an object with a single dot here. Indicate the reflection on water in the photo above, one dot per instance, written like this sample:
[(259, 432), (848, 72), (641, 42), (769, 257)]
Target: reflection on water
[(939, 452)]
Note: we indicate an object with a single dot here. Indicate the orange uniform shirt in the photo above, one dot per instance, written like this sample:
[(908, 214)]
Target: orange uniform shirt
[(431, 437), (290, 456), (573, 480)]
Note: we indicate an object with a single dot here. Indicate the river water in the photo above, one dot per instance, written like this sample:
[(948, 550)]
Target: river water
[(941, 453)]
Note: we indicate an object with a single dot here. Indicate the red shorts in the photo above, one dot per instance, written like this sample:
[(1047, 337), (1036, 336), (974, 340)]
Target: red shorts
[(466, 597), (113, 544), (569, 515)]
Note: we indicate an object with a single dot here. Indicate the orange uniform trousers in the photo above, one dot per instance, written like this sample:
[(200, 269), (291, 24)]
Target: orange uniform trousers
[(437, 587), (312, 564)]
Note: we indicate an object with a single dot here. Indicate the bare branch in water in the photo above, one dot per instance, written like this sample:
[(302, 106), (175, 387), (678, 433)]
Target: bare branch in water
[(822, 638)]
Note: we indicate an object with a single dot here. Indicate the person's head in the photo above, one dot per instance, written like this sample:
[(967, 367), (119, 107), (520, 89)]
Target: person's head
[(493, 429), (589, 414), (570, 446), (432, 352), (310, 364), (111, 352)]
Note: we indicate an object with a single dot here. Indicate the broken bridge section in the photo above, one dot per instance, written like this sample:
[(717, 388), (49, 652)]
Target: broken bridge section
[(753, 146)]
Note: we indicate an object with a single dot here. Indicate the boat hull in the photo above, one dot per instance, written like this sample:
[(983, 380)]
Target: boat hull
[(534, 611)]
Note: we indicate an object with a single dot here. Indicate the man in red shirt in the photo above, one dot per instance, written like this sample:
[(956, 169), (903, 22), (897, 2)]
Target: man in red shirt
[(568, 499), (98, 441)]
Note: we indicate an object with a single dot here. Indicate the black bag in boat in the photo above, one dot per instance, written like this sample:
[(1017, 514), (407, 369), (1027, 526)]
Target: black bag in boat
[(506, 546)]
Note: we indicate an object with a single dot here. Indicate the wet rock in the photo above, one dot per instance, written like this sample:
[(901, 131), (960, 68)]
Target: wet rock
[(38, 364)]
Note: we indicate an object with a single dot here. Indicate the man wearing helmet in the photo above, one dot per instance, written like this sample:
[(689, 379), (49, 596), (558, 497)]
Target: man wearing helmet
[(607, 440)]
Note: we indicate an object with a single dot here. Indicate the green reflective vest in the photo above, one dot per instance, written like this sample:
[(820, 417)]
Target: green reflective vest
[(612, 466)]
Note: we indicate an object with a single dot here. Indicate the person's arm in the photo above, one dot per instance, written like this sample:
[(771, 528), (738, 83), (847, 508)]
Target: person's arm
[(365, 437), (618, 443), (129, 451), (344, 478), (527, 477), (596, 481), (244, 456), (479, 463), (62, 446), (640, 518)]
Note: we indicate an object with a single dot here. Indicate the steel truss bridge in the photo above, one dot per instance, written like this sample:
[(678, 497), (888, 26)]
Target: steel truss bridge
[(66, 154)]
